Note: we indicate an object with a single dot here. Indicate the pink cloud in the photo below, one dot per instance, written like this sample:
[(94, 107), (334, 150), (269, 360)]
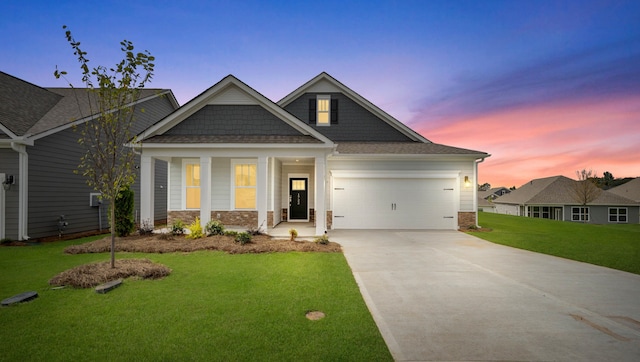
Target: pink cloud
[(547, 140)]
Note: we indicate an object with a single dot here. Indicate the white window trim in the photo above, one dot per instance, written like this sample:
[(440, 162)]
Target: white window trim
[(328, 98), (183, 175), (588, 213), (232, 191), (618, 215)]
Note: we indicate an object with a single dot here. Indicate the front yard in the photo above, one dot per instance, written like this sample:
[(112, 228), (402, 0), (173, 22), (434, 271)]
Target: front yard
[(615, 246), (214, 306)]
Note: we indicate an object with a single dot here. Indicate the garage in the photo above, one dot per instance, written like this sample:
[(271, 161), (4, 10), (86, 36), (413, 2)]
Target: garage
[(383, 200)]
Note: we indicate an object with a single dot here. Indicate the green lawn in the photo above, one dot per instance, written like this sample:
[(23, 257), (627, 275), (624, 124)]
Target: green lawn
[(213, 307), (615, 246)]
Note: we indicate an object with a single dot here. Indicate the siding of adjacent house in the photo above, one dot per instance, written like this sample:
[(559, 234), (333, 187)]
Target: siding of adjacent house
[(355, 123), (54, 188)]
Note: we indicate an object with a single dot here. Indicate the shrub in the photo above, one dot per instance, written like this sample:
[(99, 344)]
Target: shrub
[(125, 223), (195, 229), (255, 231), (293, 233), (243, 238), (324, 239), (177, 227), (145, 227), (214, 227), (232, 233)]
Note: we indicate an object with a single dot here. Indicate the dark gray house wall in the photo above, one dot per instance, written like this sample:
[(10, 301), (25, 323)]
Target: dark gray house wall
[(600, 214), (55, 190), (355, 123), (9, 166), (233, 120)]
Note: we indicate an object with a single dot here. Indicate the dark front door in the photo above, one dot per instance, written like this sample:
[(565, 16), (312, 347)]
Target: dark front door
[(298, 199)]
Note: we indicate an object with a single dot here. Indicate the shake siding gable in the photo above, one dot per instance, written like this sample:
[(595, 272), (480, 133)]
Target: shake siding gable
[(354, 123), (232, 120)]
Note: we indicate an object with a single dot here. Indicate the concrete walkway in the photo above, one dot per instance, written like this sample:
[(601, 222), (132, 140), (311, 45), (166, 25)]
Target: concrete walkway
[(448, 296)]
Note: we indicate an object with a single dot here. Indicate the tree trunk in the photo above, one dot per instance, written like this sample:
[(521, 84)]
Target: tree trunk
[(113, 234)]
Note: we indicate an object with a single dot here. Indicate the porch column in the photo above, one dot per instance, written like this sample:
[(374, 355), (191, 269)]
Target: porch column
[(320, 202), (147, 187), (205, 190), (261, 192)]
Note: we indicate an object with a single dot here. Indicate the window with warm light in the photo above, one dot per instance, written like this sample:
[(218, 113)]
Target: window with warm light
[(244, 186), (192, 186), (324, 110)]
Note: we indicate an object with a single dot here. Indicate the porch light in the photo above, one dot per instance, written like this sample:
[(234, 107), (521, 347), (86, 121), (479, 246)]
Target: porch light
[(467, 183), (8, 181)]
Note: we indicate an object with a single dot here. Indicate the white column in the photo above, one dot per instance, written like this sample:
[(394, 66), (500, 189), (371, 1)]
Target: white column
[(320, 195), (147, 188), (262, 192), (205, 190)]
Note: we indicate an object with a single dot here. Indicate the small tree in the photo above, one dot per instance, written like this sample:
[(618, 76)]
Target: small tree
[(125, 223), (585, 190), (107, 163)]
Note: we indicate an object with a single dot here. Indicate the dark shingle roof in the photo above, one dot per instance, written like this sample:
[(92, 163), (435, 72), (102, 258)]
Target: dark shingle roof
[(556, 190), (404, 148), (23, 104)]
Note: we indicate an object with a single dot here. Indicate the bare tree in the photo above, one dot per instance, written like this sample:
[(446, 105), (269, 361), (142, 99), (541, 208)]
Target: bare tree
[(107, 163), (584, 191)]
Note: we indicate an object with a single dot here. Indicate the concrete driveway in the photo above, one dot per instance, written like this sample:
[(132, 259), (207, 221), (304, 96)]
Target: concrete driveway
[(448, 296)]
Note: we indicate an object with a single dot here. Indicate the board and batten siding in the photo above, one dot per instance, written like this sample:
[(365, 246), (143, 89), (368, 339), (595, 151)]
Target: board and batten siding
[(465, 168)]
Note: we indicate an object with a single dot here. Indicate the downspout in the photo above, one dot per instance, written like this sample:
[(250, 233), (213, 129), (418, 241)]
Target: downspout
[(23, 184), (475, 189)]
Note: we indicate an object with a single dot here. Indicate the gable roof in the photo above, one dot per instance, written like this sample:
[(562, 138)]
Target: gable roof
[(556, 190), (630, 190), (229, 91), (29, 112), (323, 82), (492, 192)]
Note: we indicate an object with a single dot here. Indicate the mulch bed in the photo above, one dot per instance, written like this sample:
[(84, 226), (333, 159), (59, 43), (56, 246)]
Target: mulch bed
[(169, 244), (91, 275)]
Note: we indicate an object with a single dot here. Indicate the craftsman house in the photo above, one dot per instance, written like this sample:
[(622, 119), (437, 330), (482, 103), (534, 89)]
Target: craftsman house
[(322, 154), (40, 195)]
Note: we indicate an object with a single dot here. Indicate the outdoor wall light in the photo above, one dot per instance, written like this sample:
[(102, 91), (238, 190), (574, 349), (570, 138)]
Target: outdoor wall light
[(8, 181), (467, 183)]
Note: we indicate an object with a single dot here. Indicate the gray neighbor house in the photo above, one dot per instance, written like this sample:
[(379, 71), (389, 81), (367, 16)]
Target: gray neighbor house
[(41, 196), (551, 198)]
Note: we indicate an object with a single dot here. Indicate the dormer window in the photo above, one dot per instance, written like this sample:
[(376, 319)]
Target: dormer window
[(323, 111)]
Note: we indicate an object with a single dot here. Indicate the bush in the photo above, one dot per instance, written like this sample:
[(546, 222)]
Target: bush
[(324, 239), (125, 223), (177, 227), (231, 233), (243, 238), (195, 229), (255, 231), (214, 227)]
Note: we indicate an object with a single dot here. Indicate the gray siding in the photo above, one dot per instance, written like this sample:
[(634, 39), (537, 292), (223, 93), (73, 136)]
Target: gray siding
[(600, 214), (354, 122), (233, 120), (55, 190)]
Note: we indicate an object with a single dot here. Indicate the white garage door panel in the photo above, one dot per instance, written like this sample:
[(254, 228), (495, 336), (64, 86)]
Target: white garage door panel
[(383, 203)]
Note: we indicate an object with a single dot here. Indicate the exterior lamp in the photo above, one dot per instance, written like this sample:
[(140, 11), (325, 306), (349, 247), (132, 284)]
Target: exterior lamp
[(467, 183), (8, 181)]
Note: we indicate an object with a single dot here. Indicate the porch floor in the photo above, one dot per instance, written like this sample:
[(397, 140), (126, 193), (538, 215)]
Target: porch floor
[(305, 229)]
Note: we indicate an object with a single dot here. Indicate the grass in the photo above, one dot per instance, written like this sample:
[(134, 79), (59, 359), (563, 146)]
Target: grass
[(615, 246), (214, 307)]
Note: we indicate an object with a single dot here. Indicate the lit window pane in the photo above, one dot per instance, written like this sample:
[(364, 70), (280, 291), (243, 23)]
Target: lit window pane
[(297, 185), (193, 175), (323, 118), (193, 198), (245, 198)]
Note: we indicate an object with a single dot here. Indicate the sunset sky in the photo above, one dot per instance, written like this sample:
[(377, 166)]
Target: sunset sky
[(545, 87)]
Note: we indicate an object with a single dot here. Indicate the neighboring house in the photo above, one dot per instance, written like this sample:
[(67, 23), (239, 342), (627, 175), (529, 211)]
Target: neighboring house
[(493, 193), (552, 198), (630, 190), (322, 154), (486, 205), (39, 152)]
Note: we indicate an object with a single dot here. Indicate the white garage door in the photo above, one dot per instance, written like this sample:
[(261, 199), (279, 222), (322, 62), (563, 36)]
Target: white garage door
[(394, 203)]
